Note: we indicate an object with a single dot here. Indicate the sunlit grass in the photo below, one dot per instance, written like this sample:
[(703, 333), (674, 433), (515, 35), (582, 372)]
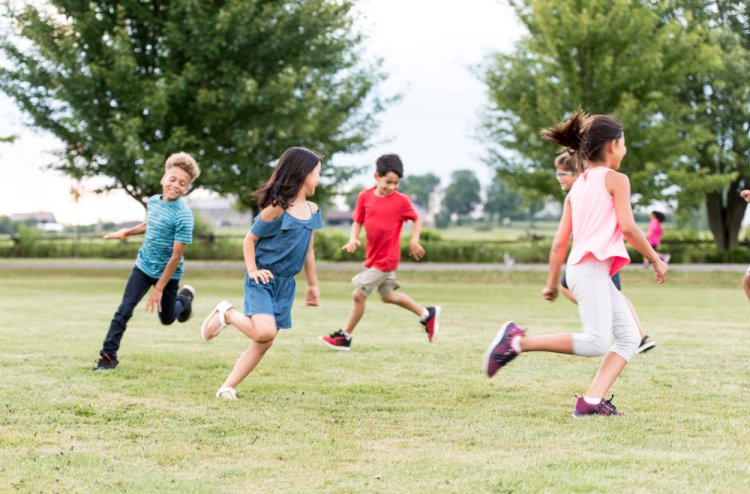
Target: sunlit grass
[(395, 414)]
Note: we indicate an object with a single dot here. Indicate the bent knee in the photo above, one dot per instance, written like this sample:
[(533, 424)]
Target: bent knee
[(265, 335), (358, 296), (590, 345)]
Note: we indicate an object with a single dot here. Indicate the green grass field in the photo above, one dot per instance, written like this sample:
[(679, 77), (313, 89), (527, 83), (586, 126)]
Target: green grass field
[(395, 414)]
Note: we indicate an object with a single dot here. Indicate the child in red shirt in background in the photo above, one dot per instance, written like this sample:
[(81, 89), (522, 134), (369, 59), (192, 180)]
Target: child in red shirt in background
[(382, 210)]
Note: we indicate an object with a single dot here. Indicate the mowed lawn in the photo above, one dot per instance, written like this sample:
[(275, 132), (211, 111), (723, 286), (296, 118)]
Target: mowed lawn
[(396, 414)]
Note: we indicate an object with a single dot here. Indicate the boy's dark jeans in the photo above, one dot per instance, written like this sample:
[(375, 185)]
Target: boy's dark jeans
[(138, 284)]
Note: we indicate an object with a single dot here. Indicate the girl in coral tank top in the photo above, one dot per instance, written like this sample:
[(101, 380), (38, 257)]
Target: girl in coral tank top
[(597, 213)]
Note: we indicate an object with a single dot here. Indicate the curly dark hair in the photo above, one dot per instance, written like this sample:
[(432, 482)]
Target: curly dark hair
[(294, 165)]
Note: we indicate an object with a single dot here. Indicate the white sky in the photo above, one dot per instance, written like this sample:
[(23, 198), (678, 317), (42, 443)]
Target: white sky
[(427, 47)]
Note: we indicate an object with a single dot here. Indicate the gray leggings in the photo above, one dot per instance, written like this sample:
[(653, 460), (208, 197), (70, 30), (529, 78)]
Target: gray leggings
[(603, 312)]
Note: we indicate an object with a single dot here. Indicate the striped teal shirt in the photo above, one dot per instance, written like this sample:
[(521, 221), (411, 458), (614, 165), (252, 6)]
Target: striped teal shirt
[(166, 223)]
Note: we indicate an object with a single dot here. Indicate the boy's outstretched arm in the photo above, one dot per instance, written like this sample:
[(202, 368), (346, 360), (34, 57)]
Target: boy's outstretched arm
[(353, 243), (154, 300), (127, 232), (312, 298), (415, 249)]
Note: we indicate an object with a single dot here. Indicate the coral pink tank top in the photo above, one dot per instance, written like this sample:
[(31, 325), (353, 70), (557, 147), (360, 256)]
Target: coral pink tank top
[(595, 229)]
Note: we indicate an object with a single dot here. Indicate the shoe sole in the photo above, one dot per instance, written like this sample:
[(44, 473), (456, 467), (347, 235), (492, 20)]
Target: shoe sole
[(648, 346), (334, 347), (190, 289), (488, 353), (436, 328)]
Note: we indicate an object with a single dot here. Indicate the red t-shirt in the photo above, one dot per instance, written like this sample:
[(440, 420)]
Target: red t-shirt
[(383, 218)]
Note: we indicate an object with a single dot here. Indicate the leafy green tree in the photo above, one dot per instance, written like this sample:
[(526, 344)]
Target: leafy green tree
[(419, 187), (125, 83), (622, 57), (351, 196), (462, 195), (718, 124), (502, 202)]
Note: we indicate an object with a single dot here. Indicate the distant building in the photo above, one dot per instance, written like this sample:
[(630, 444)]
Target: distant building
[(37, 217), (219, 212), (43, 220), (342, 218)]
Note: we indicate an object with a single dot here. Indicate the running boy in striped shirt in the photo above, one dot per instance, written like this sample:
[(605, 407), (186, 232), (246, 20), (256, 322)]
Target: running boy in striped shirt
[(168, 229)]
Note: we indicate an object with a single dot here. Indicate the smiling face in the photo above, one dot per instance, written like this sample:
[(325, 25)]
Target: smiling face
[(174, 184), (387, 184), (312, 180)]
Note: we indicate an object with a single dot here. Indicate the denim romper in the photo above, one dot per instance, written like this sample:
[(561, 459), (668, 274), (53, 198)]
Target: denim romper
[(281, 249)]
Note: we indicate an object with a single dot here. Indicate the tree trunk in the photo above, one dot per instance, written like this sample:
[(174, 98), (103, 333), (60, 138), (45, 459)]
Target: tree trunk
[(725, 216)]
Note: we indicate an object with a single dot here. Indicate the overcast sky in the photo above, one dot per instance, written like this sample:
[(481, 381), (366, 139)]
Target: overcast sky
[(428, 49)]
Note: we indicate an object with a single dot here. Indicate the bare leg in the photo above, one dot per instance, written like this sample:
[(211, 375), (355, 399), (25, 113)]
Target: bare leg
[(746, 286), (261, 328), (611, 367), (246, 363), (358, 310), (403, 300), (557, 343), (635, 316)]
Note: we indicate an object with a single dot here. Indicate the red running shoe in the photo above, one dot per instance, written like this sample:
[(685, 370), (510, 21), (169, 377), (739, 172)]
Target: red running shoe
[(337, 341), (432, 323)]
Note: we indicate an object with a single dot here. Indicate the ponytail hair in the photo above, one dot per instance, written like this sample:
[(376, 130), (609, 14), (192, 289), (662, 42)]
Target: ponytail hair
[(585, 135)]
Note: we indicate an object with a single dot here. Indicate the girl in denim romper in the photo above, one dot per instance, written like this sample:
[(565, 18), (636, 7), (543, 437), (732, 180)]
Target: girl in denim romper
[(277, 247)]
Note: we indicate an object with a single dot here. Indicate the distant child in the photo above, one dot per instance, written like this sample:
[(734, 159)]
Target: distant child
[(382, 210), (566, 172), (597, 213), (654, 233), (745, 194), (277, 247), (168, 228)]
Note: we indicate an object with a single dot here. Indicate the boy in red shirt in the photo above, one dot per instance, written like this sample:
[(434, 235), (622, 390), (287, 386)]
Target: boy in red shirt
[(382, 211)]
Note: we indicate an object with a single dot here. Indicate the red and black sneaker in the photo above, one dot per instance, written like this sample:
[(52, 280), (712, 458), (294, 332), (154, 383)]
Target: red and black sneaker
[(337, 341), (501, 352), (432, 323), (604, 407), (106, 362)]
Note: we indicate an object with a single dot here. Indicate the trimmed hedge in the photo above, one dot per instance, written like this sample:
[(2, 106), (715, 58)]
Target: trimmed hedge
[(682, 248)]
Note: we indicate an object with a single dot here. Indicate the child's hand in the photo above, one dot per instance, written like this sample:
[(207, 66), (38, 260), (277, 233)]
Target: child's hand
[(312, 299), (351, 245), (260, 275), (660, 270), (549, 293), (154, 300), (120, 234), (745, 194), (416, 251)]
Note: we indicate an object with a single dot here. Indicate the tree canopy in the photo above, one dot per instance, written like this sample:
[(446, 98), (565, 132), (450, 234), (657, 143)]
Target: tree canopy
[(123, 84), (419, 187), (462, 195), (674, 72)]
